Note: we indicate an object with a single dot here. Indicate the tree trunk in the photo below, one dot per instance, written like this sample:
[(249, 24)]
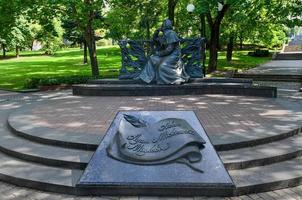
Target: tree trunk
[(214, 43), (92, 52), (32, 46), (148, 30), (202, 25), (214, 40), (171, 9), (230, 48), (90, 40), (85, 61), (204, 45), (17, 52), (4, 50), (241, 41)]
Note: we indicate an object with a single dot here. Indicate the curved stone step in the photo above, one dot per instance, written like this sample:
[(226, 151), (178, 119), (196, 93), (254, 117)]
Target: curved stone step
[(41, 127), (255, 139), (20, 125), (41, 153), (270, 177), (266, 154), (37, 176), (49, 135)]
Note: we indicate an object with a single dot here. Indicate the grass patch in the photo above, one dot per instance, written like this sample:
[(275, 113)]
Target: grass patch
[(240, 61), (15, 73)]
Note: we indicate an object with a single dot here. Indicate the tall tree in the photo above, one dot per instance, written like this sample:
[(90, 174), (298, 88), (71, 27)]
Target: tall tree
[(87, 15), (89, 35), (8, 14), (215, 11), (171, 9), (133, 18), (74, 35), (15, 31)]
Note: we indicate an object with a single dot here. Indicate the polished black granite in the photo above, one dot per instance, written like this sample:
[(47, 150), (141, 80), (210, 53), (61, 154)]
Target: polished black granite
[(108, 176), (194, 88)]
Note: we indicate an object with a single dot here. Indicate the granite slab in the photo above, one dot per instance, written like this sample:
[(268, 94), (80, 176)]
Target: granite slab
[(105, 175), (242, 89)]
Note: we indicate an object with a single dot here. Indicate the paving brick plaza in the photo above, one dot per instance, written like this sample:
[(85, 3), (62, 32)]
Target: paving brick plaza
[(59, 115)]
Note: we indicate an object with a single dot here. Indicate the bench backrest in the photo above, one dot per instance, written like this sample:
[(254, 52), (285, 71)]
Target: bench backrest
[(135, 55)]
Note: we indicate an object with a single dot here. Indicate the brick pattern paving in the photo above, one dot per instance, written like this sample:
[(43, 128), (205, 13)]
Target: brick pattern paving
[(11, 192), (225, 118), (286, 90)]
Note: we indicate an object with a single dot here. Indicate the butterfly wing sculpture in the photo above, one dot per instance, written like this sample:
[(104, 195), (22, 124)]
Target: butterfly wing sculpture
[(145, 143)]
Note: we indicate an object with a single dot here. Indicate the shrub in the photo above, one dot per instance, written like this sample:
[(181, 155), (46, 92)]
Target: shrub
[(33, 83), (260, 53)]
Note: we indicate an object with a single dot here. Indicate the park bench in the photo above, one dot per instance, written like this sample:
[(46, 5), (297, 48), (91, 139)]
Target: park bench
[(135, 54)]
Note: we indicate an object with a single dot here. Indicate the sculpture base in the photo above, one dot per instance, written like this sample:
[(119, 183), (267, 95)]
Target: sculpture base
[(105, 175), (115, 87)]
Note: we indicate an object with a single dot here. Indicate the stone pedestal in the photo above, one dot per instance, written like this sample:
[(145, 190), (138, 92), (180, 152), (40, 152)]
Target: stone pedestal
[(105, 175)]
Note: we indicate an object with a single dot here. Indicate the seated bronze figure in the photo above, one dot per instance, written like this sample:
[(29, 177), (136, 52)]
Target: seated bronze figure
[(165, 65)]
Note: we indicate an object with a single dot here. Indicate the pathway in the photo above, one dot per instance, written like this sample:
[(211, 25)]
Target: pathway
[(279, 67), (290, 68)]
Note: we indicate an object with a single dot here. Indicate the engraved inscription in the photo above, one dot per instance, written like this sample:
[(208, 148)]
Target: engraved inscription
[(141, 146), (149, 142)]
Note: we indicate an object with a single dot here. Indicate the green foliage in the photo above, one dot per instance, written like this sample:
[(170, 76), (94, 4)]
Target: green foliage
[(11, 23), (52, 36), (33, 83), (133, 18), (260, 53), (259, 22)]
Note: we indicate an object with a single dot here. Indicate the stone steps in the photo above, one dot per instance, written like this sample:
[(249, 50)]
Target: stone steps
[(261, 155), (270, 77), (270, 177), (19, 119), (80, 141), (62, 180), (40, 153), (289, 56), (78, 159), (243, 187), (260, 164), (256, 139), (292, 48), (37, 176)]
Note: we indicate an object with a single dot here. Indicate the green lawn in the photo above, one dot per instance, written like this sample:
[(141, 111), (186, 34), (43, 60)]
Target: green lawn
[(14, 72), (240, 61)]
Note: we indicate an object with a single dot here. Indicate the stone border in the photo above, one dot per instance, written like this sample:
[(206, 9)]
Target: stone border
[(270, 77), (242, 89)]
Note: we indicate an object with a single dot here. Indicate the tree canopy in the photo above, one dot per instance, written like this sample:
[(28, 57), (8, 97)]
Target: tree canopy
[(224, 22)]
